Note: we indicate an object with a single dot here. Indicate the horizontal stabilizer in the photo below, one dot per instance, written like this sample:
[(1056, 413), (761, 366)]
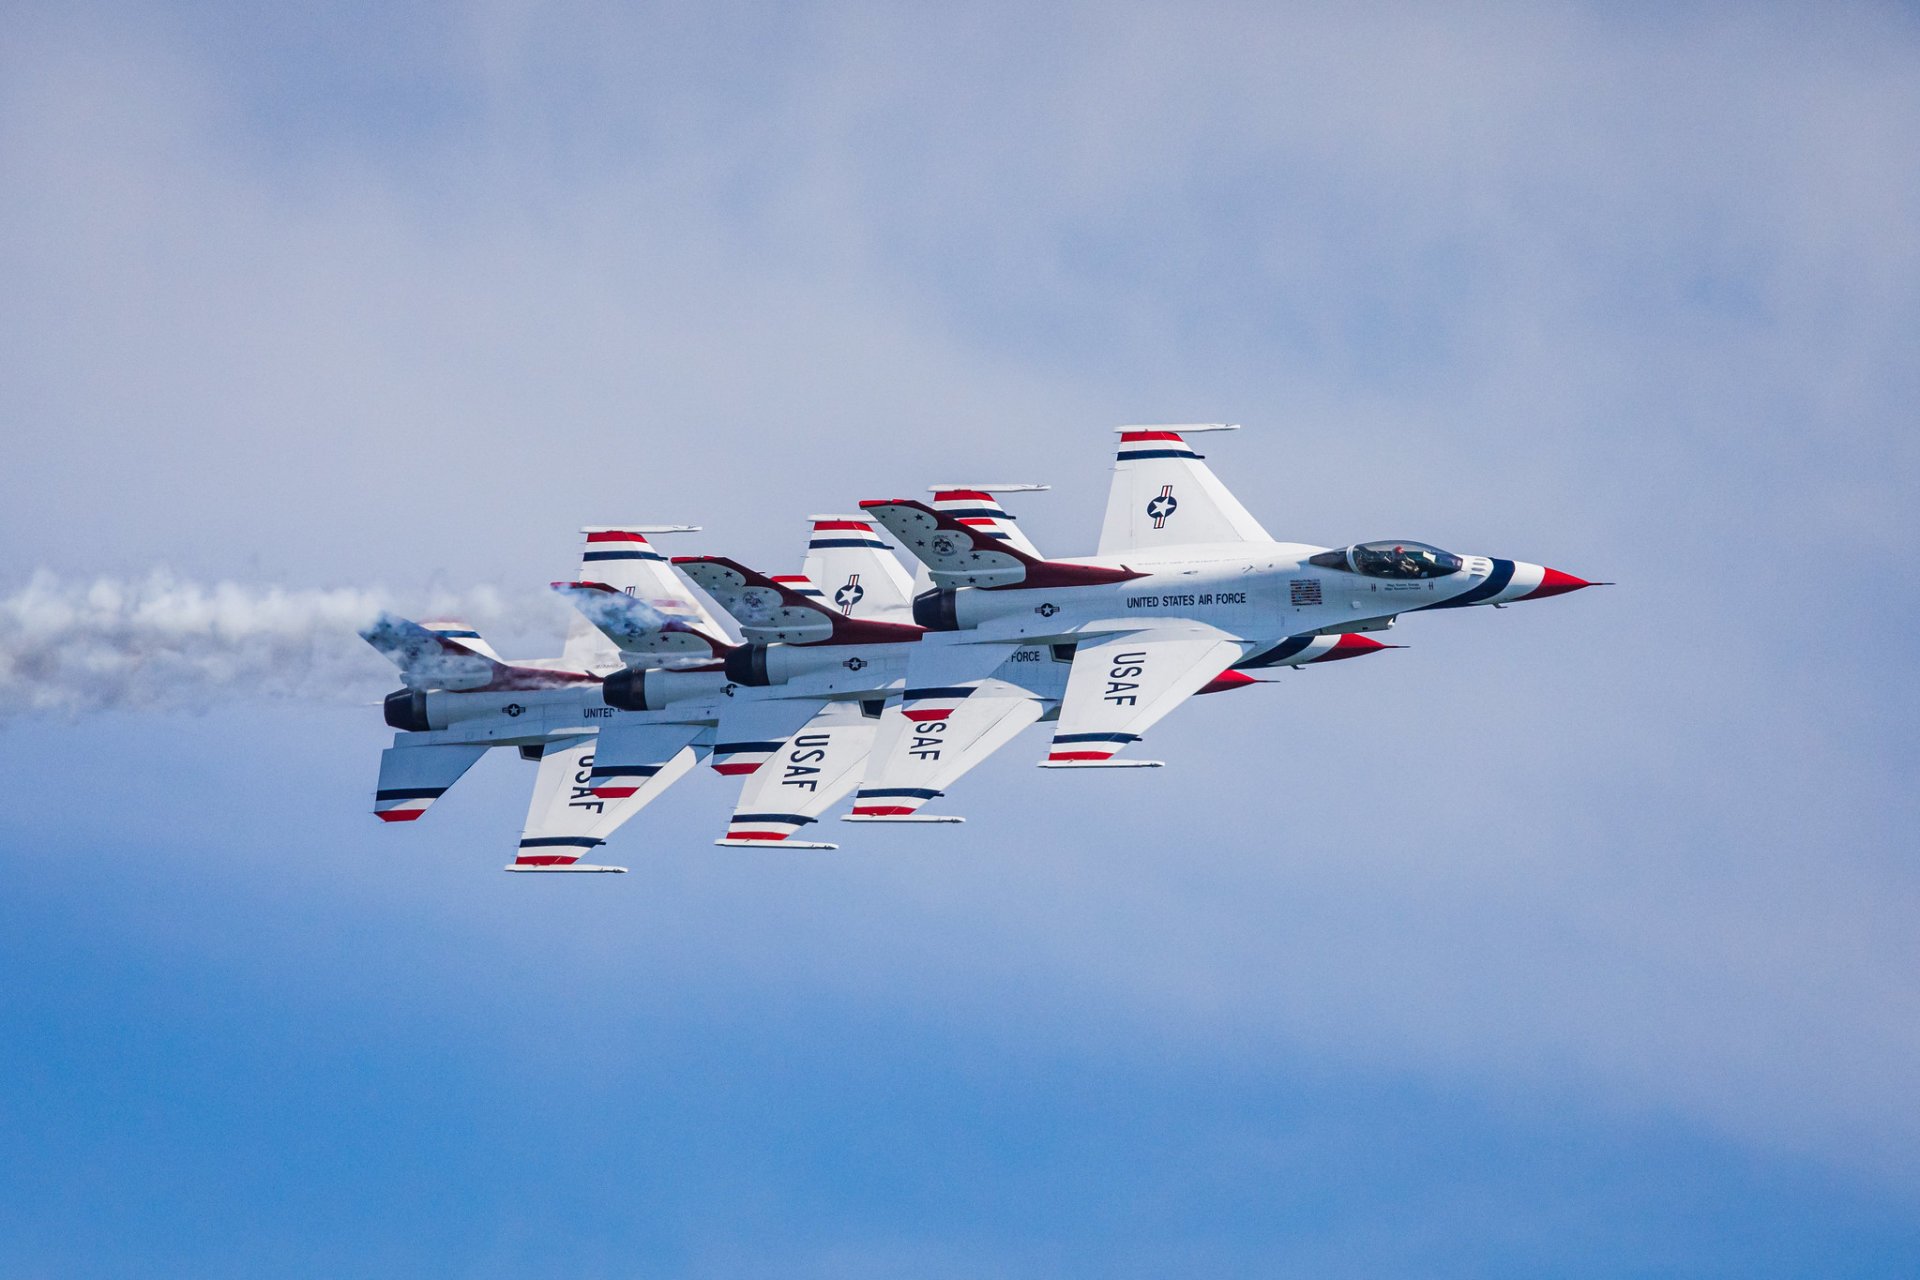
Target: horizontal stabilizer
[(661, 632), (975, 506), (463, 632), (430, 660), (959, 555), (770, 611), (413, 777), (427, 659)]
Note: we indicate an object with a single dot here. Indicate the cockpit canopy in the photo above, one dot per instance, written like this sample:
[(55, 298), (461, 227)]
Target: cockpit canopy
[(1391, 560)]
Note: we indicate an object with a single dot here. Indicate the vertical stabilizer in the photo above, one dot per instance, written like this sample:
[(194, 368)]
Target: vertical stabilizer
[(975, 506), (1165, 495), (619, 556), (856, 571), (461, 631)]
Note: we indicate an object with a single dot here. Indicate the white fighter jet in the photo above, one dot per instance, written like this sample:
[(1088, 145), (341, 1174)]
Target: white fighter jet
[(460, 699), (796, 707), (1185, 585), (798, 744)]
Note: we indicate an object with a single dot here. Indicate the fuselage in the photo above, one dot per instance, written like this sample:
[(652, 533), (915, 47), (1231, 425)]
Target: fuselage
[(1264, 594), (1258, 592)]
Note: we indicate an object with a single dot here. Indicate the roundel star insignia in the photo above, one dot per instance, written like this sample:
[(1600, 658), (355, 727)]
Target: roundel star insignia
[(514, 709), (855, 664), (1162, 505), (850, 594)]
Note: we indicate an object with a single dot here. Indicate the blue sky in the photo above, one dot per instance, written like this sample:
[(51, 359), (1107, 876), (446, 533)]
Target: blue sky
[(1574, 939)]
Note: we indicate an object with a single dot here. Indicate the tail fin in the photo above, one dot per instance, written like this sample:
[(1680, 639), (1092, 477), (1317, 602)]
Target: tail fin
[(958, 555), (974, 506), (770, 611), (857, 570), (1164, 495), (463, 632), (427, 658), (643, 633), (621, 557)]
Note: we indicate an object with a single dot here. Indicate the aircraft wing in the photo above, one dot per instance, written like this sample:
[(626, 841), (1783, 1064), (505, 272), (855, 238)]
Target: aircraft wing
[(660, 632), (1122, 685), (588, 786), (935, 735), (413, 777), (809, 774), (751, 730)]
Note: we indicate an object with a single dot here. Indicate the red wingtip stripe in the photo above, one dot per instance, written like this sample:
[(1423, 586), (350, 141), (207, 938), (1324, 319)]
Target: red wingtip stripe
[(614, 535), (734, 769), (859, 525), (956, 495), (547, 860), (758, 835), (613, 793), (882, 810), (919, 713), (398, 815), (1080, 755), (1139, 437)]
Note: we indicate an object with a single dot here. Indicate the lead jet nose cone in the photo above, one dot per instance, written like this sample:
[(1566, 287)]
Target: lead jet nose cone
[(1555, 583)]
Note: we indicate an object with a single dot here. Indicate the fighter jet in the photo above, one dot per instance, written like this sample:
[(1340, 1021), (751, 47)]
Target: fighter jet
[(796, 707), (792, 710), (460, 699), (1185, 584)]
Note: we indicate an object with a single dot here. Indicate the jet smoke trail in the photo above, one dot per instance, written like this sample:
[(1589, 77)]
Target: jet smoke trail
[(159, 643)]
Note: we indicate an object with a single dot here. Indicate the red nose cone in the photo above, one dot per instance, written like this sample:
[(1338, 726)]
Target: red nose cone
[(1556, 583)]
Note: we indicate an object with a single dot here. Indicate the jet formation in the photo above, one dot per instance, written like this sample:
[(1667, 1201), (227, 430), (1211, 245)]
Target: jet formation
[(854, 677)]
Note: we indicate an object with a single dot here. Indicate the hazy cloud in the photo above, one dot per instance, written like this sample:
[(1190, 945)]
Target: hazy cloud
[(1633, 294)]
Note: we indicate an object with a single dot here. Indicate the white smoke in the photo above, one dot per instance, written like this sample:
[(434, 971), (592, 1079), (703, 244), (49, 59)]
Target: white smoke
[(161, 643)]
